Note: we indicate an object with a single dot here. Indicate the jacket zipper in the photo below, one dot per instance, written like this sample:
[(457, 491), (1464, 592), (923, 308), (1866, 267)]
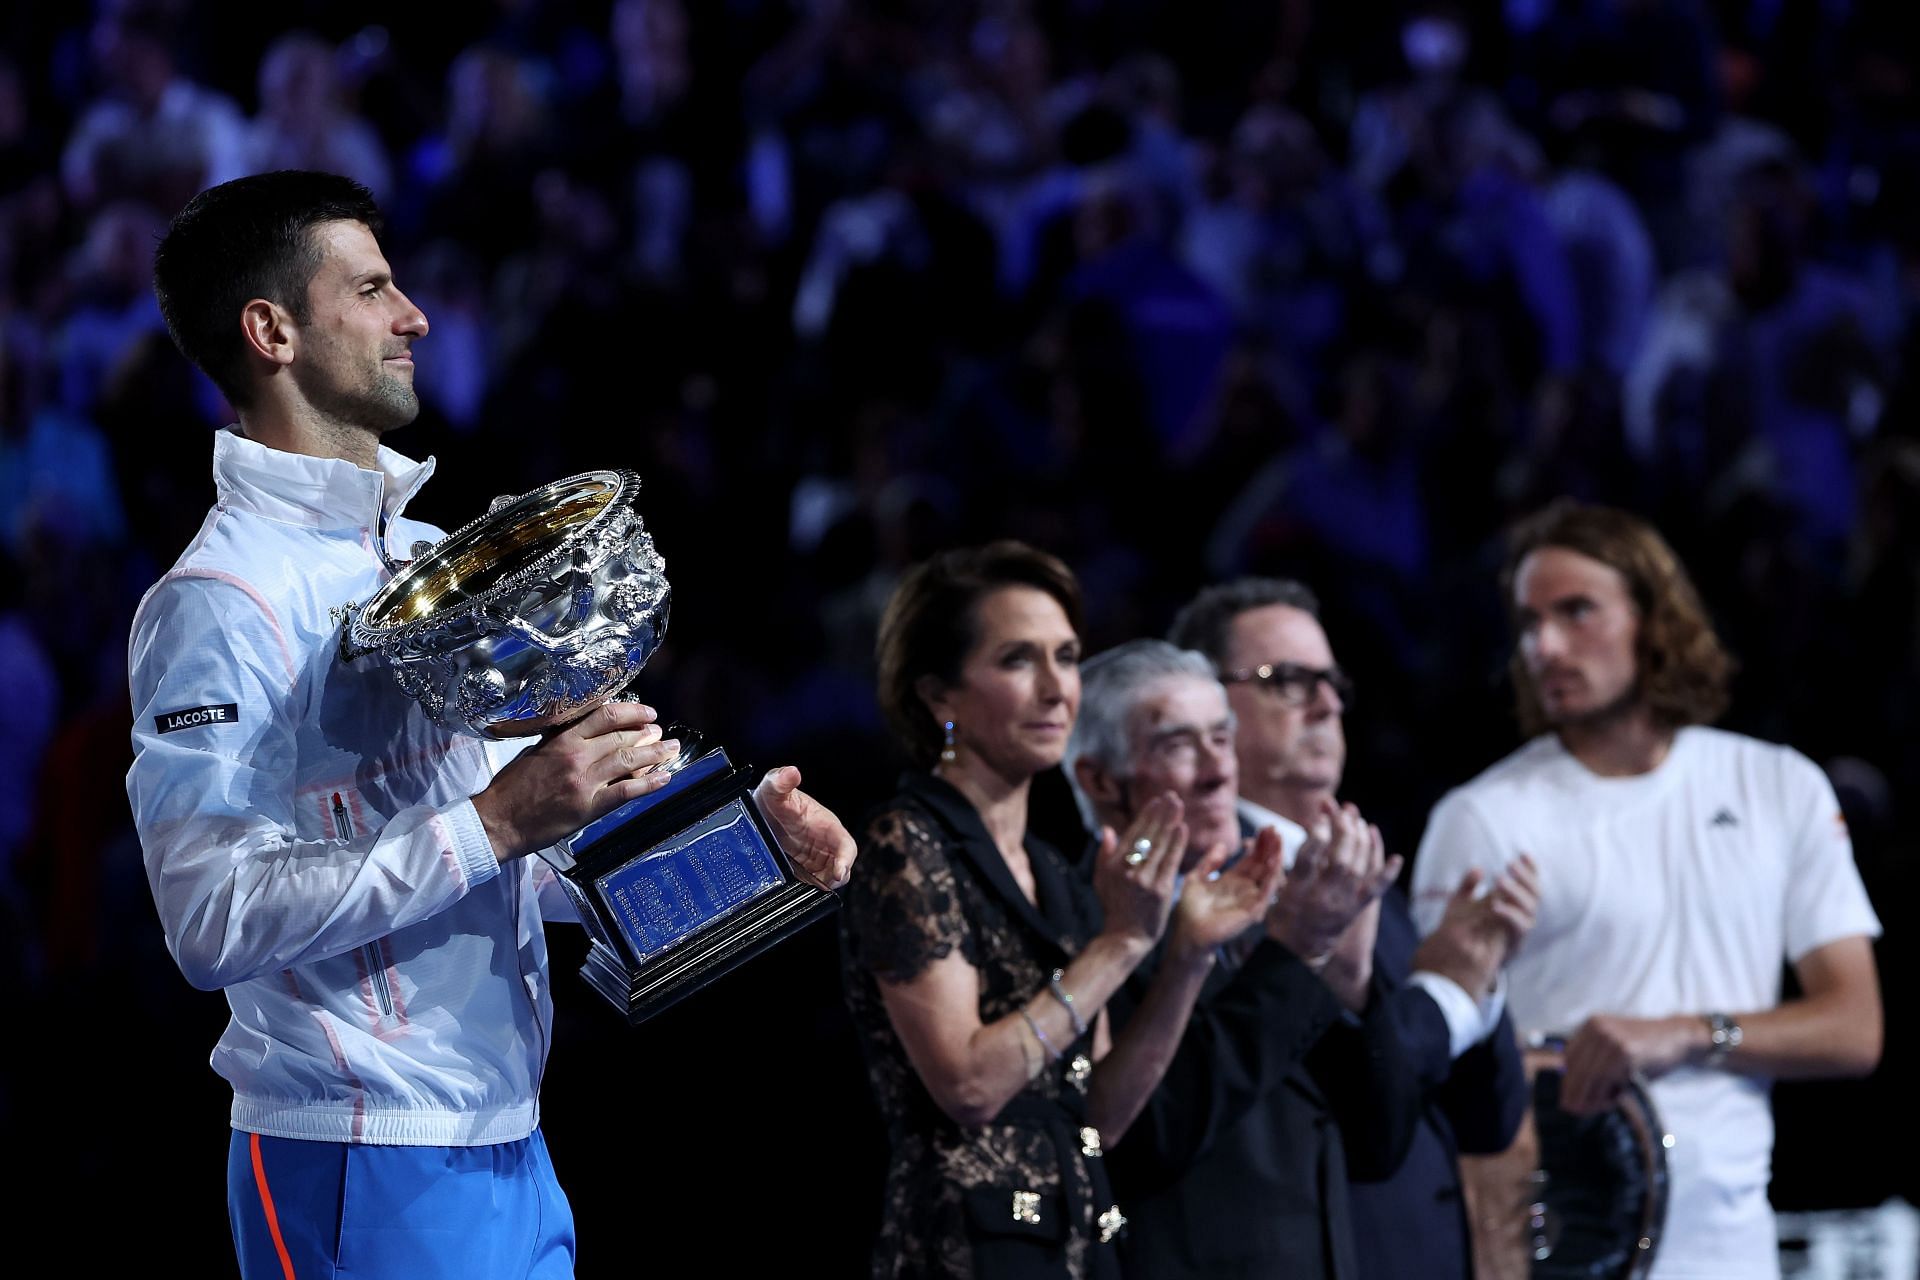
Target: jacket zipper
[(533, 1005), (376, 963)]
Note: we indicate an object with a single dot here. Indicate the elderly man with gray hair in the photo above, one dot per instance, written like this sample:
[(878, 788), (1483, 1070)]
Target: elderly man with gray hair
[(1170, 701), (1289, 1076)]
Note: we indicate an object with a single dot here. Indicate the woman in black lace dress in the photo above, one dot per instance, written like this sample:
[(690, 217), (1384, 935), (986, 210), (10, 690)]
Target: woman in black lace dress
[(977, 962)]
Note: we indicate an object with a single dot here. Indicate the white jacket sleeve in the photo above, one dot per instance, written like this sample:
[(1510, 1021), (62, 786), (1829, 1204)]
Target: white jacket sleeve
[(555, 906), (239, 893)]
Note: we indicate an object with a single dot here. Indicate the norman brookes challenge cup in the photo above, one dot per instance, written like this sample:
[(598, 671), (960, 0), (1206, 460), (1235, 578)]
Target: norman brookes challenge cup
[(528, 618)]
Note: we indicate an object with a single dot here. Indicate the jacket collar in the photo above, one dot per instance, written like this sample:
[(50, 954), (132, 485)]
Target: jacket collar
[(955, 812), (323, 493)]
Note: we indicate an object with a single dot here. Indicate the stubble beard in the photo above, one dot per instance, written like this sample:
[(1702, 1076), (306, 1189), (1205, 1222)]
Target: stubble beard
[(1595, 720), (381, 404)]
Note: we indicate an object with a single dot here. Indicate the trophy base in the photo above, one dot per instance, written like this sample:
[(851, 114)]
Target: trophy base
[(641, 991), (681, 886)]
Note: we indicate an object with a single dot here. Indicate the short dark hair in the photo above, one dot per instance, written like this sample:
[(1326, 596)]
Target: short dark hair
[(245, 239), (930, 625), (1683, 672), (1207, 619)]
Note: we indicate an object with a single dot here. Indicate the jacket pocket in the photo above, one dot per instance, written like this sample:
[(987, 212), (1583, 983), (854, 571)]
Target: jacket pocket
[(376, 962), (370, 954), (1016, 1233)]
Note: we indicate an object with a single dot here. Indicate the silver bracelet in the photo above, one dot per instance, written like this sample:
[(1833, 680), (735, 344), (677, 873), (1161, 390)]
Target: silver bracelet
[(1061, 994), (1046, 1045)]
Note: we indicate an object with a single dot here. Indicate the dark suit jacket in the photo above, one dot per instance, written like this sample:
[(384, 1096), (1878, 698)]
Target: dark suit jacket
[(1239, 1164), (1413, 1223)]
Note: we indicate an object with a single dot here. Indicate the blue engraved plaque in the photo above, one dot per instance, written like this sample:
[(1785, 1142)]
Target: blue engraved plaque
[(681, 885), (700, 874)]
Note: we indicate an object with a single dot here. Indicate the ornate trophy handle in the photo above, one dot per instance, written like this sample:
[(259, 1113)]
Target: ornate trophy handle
[(345, 615), (569, 639)]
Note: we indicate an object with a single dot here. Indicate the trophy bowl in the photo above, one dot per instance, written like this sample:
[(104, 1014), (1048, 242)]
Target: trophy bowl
[(528, 617)]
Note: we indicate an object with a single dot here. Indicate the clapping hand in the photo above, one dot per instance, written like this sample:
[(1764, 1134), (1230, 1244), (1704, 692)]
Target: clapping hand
[(1480, 931), (1338, 873), (1134, 873), (1216, 909)]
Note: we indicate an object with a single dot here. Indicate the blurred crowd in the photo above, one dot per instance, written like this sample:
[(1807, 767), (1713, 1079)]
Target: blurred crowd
[(1174, 291)]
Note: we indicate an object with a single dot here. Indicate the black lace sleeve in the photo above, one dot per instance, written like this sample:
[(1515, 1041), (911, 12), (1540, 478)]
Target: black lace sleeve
[(901, 910)]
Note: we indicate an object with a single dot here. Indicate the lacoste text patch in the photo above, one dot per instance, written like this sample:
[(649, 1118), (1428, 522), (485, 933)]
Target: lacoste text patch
[(194, 717)]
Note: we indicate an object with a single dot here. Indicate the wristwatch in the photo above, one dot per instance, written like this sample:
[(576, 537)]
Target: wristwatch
[(1723, 1036)]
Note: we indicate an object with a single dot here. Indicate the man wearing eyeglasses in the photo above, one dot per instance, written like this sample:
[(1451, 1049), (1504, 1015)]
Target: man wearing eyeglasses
[(1444, 995), (1286, 692)]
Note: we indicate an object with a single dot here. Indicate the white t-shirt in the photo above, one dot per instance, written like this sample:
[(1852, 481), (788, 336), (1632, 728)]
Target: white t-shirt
[(1676, 891)]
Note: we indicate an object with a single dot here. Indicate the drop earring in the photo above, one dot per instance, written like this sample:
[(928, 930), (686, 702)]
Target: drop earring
[(946, 751)]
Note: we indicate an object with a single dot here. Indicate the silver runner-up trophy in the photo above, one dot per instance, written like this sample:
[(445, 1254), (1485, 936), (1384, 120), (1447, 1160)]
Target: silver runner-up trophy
[(528, 618), (1575, 1197)]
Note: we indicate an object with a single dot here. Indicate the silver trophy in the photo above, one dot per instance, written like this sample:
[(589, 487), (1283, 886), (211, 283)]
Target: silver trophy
[(521, 622), (1575, 1197)]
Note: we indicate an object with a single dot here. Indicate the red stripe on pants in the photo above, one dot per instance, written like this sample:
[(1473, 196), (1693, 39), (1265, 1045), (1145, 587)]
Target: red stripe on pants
[(266, 1203)]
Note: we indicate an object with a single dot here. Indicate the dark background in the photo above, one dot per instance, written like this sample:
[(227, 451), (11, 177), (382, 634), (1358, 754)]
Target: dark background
[(1176, 291)]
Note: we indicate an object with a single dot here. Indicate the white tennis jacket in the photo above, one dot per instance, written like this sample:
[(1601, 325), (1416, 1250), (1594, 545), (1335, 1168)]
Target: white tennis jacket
[(308, 833)]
